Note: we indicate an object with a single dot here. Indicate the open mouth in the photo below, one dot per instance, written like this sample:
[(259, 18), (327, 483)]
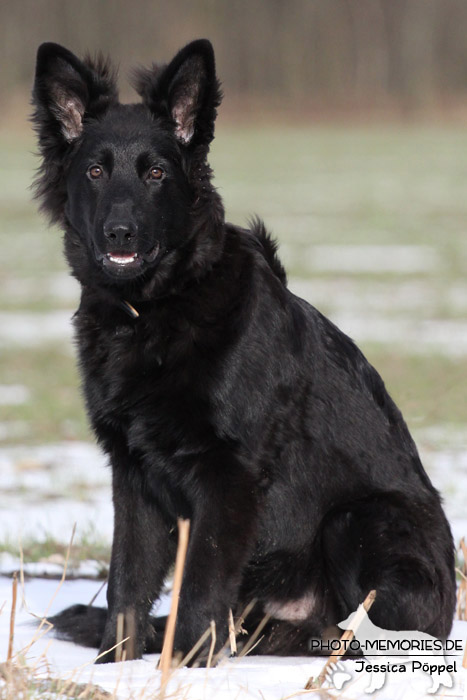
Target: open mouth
[(120, 261)]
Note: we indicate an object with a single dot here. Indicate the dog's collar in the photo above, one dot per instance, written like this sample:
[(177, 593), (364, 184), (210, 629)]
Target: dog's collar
[(130, 310)]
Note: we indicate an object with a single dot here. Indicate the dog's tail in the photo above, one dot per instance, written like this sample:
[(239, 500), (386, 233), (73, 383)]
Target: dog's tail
[(84, 625), (81, 624)]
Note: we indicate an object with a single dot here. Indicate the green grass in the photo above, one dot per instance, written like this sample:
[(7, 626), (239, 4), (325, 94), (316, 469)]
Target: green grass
[(55, 410), (87, 546), (430, 390), (321, 185)]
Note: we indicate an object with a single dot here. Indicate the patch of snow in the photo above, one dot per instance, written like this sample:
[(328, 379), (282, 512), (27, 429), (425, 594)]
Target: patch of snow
[(59, 286), (259, 678), (13, 429), (38, 568), (14, 394), (23, 520), (350, 295), (50, 569), (9, 563), (34, 483), (46, 489), (457, 297), (357, 259), (448, 471), (427, 336), (379, 314), (53, 467), (34, 328)]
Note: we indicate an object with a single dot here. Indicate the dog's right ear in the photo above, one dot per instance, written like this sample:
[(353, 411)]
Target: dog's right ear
[(66, 90), (186, 90)]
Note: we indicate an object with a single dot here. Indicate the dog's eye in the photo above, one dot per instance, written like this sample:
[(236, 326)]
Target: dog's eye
[(95, 172), (156, 174)]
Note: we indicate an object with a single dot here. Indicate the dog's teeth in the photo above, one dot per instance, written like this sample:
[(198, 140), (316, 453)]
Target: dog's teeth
[(122, 259)]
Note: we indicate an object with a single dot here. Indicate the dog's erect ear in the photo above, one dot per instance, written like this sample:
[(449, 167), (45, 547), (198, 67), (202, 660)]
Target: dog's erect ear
[(187, 88), (67, 89)]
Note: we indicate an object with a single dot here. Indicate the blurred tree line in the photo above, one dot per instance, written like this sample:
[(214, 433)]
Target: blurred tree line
[(412, 53)]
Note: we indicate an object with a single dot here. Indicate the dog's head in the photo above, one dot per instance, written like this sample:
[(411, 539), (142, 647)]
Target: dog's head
[(129, 183)]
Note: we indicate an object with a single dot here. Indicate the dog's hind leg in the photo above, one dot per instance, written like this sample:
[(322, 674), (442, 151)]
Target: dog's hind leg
[(276, 638), (386, 543)]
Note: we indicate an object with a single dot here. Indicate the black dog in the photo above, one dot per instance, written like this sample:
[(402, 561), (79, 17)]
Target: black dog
[(218, 395)]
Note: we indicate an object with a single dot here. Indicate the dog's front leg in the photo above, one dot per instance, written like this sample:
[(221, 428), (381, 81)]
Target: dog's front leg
[(222, 537), (142, 551)]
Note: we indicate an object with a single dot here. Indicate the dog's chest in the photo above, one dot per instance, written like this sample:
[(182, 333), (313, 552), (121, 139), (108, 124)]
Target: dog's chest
[(130, 365)]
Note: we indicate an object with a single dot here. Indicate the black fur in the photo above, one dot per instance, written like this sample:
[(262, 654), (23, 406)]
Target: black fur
[(228, 400)]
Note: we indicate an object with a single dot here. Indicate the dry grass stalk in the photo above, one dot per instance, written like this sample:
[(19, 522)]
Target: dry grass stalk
[(12, 617), (40, 632), (252, 641), (130, 631), (461, 607), (348, 635), (93, 599), (195, 648), (240, 620), (235, 628), (238, 624), (232, 637), (99, 656), (22, 679), (119, 649), (213, 644), (169, 635), (21, 574), (22, 682)]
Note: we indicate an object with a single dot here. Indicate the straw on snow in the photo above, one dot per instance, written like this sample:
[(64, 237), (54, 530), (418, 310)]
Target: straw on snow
[(165, 660), (346, 636)]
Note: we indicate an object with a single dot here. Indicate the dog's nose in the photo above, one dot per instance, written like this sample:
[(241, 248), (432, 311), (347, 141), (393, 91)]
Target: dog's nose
[(119, 232)]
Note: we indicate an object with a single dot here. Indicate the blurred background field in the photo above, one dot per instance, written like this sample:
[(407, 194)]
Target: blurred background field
[(344, 128), (371, 223)]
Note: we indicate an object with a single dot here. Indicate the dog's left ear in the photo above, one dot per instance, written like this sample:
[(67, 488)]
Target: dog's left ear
[(66, 90), (188, 89)]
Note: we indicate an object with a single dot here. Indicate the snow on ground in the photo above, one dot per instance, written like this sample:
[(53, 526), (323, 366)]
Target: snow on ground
[(355, 259), (34, 481), (262, 678), (385, 314), (46, 489), (56, 287), (14, 394), (34, 328), (379, 313)]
